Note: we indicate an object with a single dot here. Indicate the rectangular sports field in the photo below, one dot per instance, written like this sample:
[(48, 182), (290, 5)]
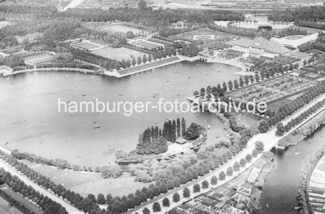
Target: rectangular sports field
[(113, 27), (117, 53)]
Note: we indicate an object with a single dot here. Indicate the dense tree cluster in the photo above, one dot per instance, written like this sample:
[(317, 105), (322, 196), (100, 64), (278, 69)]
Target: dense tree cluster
[(19, 186), (12, 61), (189, 50), (154, 139), (15, 203), (303, 16), (148, 17), (44, 11), (294, 122), (74, 198), (194, 131), (288, 109), (220, 89)]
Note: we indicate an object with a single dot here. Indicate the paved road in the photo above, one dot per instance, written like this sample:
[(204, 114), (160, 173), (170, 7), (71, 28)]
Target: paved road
[(38, 188), (269, 140)]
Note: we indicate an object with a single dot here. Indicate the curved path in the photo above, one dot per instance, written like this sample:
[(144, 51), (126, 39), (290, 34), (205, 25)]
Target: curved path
[(81, 70)]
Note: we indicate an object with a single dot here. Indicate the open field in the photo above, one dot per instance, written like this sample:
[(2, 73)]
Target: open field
[(85, 183), (149, 45), (114, 28), (86, 44), (118, 54), (192, 35)]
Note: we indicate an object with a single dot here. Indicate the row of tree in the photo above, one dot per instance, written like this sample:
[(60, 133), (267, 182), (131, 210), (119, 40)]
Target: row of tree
[(75, 199), (174, 176), (154, 139), (111, 64), (301, 15), (281, 129), (148, 17), (47, 205), (288, 108), (205, 184), (15, 203), (219, 90)]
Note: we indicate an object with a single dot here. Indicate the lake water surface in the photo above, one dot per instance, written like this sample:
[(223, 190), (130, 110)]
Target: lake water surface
[(30, 120)]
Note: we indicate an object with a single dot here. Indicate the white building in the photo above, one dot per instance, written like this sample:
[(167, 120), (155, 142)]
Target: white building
[(296, 40), (259, 47)]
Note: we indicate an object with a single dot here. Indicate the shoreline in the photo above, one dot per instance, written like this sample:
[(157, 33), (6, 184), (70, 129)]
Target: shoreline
[(159, 63), (149, 66)]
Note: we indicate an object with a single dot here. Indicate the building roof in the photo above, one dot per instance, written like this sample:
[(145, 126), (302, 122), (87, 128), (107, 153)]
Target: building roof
[(296, 40), (261, 43)]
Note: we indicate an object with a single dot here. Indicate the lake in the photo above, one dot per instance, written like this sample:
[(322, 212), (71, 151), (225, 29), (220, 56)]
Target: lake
[(30, 120)]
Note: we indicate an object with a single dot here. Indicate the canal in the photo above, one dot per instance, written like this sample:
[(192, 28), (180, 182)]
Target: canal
[(282, 184)]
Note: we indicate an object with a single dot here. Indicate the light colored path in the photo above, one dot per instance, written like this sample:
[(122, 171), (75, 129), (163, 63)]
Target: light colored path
[(45, 192)]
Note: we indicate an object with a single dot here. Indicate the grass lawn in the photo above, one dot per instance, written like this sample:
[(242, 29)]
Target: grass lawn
[(118, 53), (202, 31), (85, 183), (113, 27)]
